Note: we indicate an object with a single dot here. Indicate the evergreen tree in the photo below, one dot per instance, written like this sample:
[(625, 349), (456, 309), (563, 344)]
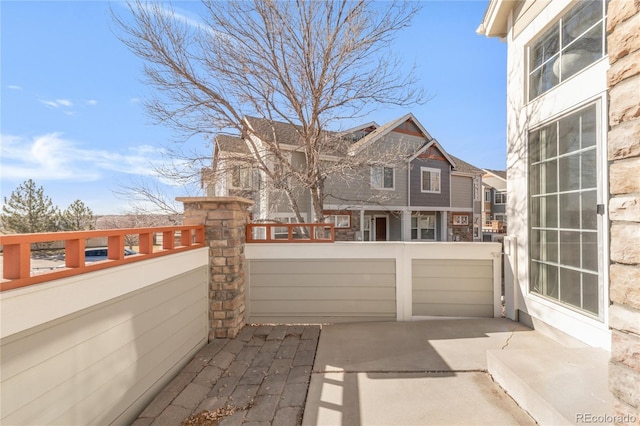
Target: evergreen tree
[(28, 210), (77, 217)]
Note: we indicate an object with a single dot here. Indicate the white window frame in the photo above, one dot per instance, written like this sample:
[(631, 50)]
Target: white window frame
[(557, 58), (366, 228), (487, 195), (377, 172), (557, 302), (248, 177), (338, 219), (502, 217), (430, 170), (503, 195), (419, 229)]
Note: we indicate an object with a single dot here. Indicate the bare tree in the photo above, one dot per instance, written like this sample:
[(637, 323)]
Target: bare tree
[(309, 64)]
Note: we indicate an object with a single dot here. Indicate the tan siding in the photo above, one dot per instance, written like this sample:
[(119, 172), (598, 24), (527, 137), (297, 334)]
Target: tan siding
[(321, 290), (102, 364), (461, 191), (452, 288)]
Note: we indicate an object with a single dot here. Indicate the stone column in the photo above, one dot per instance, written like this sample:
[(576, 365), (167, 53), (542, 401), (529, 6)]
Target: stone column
[(225, 220), (623, 40)]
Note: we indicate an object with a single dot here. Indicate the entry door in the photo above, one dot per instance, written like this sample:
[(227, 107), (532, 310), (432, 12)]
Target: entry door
[(381, 229)]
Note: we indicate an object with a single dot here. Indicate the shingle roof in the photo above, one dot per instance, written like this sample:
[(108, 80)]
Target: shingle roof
[(464, 167), (229, 143), (499, 173)]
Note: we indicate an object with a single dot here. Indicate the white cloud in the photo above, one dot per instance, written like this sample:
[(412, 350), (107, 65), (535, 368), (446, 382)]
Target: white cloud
[(92, 102), (57, 103), (135, 100), (14, 87), (64, 102), (52, 157)]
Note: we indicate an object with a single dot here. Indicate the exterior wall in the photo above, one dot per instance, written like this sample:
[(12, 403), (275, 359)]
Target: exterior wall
[(461, 192), (460, 232), (425, 199), (370, 281), (624, 205), (97, 347), (356, 189), (587, 86), (443, 286), (395, 227)]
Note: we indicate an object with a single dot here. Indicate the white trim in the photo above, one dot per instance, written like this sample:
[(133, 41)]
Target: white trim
[(373, 186), (373, 229), (369, 207), (495, 194), (430, 170)]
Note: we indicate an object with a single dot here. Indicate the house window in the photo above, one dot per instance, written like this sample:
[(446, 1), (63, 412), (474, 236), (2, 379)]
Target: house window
[(430, 181), (423, 227), (500, 198), (241, 177), (382, 177), (572, 43), (487, 196), (563, 239), (339, 220), (501, 217), (366, 229)]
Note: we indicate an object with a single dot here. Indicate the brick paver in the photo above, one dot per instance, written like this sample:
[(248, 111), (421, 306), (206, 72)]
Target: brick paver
[(263, 374)]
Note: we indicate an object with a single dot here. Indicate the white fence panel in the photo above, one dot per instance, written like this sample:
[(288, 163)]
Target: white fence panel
[(349, 281)]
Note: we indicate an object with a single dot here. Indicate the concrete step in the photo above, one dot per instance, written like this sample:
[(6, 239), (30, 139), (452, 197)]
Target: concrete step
[(556, 386)]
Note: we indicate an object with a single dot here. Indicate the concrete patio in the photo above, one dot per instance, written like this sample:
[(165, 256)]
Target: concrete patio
[(438, 372)]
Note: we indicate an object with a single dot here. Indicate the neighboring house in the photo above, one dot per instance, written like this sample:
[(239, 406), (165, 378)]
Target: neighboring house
[(418, 192), (494, 204)]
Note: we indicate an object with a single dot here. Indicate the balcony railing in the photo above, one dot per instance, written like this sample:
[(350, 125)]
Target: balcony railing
[(290, 233), (17, 251)]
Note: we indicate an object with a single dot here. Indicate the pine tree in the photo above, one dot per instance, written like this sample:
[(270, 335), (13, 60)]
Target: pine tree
[(78, 217), (28, 210)]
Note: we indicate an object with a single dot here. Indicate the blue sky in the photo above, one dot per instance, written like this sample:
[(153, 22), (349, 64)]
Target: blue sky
[(70, 92)]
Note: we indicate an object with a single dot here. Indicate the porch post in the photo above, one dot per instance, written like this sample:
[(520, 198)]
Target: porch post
[(406, 225), (624, 206), (225, 220)]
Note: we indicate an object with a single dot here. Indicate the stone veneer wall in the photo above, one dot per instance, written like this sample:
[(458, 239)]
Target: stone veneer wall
[(623, 40), (225, 220)]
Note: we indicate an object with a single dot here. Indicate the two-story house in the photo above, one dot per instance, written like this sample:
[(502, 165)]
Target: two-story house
[(407, 188), (494, 204)]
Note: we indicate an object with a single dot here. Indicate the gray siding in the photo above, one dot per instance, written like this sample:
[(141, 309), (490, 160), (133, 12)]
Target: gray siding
[(461, 191), (461, 288), (356, 187), (321, 290), (419, 198)]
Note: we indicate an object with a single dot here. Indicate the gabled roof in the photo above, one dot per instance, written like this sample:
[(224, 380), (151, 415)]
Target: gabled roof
[(426, 146), (385, 129), (500, 174), (284, 132), (228, 143), (464, 167)]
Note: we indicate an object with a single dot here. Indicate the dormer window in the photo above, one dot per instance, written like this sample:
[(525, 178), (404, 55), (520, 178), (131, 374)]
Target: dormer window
[(572, 43)]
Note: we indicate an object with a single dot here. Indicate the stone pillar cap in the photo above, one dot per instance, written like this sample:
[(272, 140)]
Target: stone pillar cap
[(215, 200)]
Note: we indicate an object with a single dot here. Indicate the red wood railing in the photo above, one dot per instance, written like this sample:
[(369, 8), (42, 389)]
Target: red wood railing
[(17, 251), (290, 233)]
